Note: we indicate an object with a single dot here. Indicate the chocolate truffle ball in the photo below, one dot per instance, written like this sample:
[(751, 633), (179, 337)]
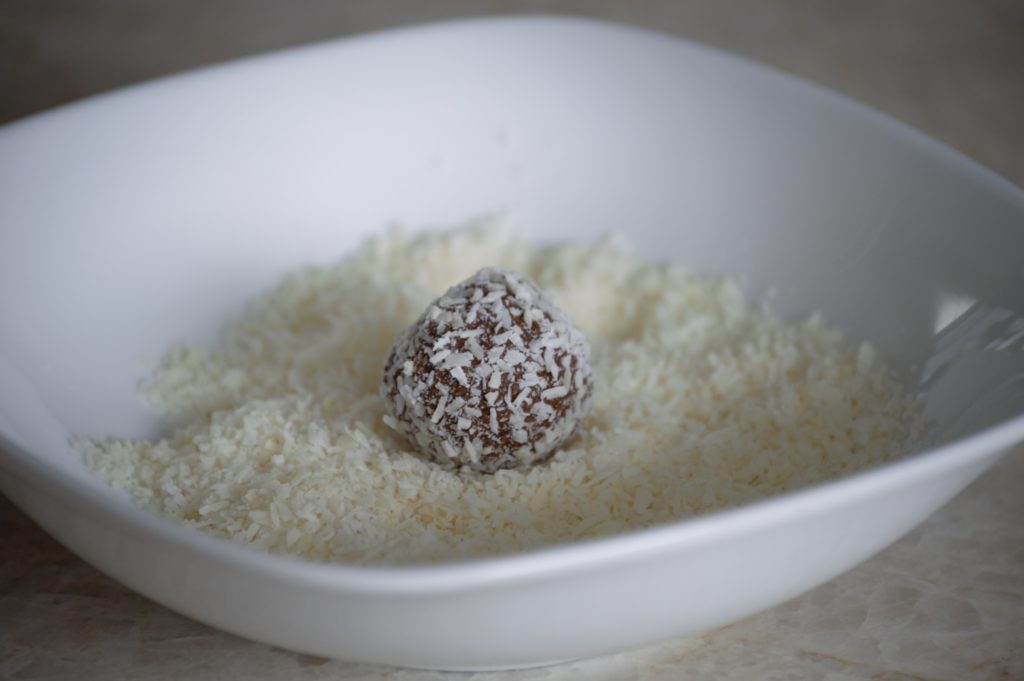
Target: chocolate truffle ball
[(493, 375)]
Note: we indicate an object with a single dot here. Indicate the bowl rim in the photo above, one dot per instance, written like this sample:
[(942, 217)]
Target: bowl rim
[(481, 572), (474, 573)]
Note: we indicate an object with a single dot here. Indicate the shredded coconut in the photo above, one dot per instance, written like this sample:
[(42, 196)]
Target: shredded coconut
[(278, 438)]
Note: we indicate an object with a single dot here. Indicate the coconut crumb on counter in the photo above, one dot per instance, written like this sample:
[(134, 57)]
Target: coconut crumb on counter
[(279, 437)]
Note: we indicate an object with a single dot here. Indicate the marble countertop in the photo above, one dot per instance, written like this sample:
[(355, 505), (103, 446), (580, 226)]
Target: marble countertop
[(944, 603)]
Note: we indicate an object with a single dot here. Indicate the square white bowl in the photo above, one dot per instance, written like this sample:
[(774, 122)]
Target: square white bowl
[(141, 218)]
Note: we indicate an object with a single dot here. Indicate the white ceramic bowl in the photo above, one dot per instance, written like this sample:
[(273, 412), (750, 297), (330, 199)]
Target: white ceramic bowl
[(141, 218)]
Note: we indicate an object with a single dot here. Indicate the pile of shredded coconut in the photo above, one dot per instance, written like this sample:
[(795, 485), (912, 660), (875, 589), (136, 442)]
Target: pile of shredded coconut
[(701, 402)]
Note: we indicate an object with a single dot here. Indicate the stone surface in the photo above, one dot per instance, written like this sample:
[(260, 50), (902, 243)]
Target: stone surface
[(945, 603)]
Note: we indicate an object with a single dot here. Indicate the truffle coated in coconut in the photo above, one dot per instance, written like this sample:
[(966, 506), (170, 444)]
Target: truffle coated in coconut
[(493, 375)]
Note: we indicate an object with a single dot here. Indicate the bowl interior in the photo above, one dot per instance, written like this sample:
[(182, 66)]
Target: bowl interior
[(144, 217)]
